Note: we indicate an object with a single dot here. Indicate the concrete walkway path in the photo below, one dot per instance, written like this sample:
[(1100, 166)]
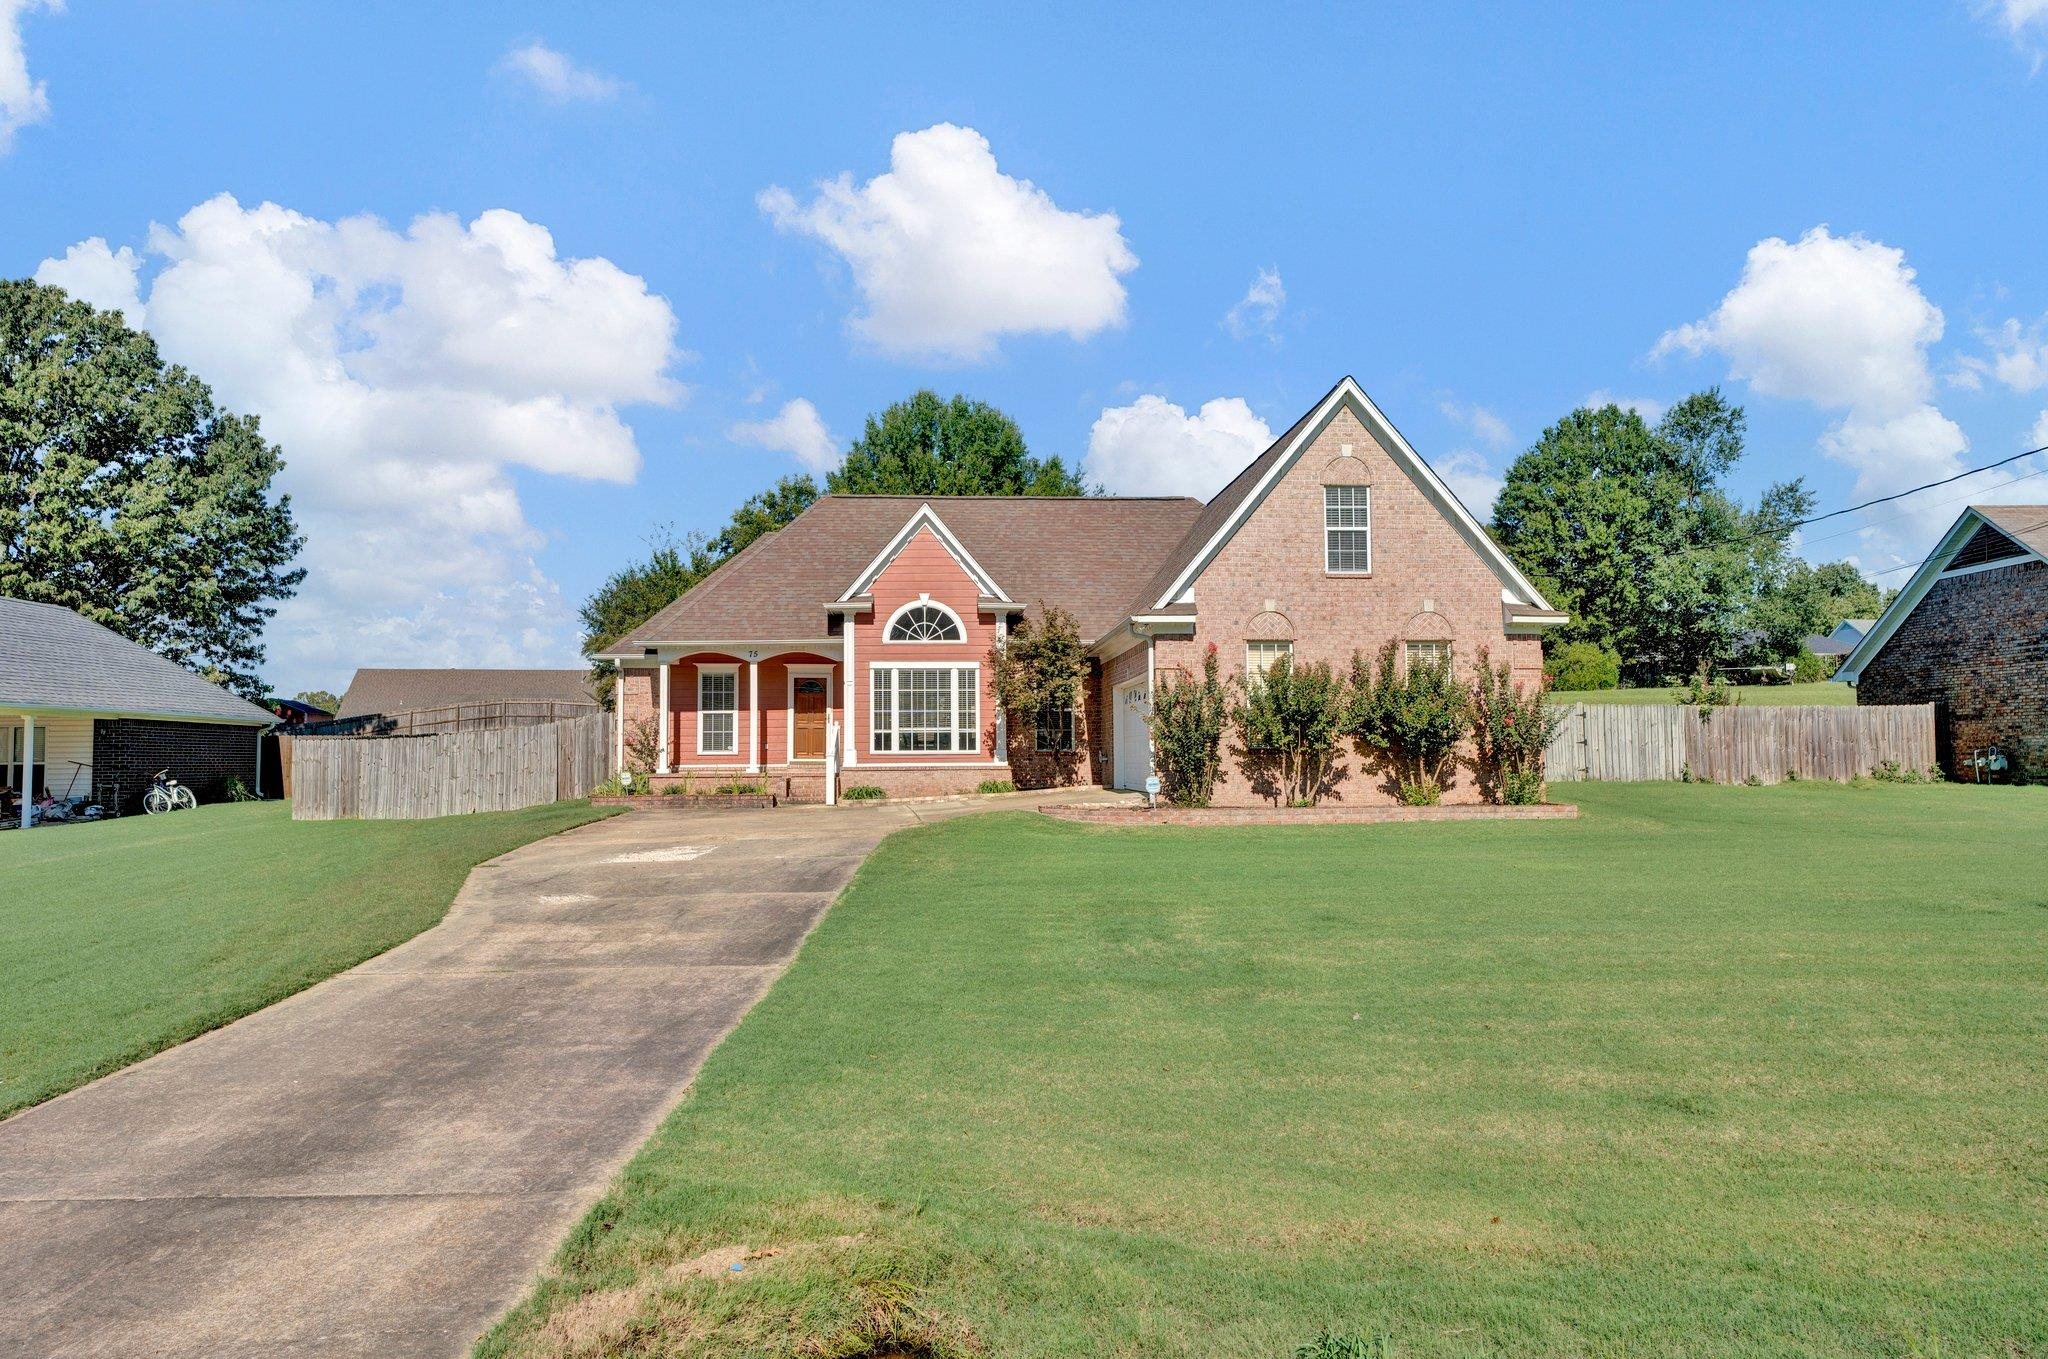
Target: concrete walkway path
[(379, 1165)]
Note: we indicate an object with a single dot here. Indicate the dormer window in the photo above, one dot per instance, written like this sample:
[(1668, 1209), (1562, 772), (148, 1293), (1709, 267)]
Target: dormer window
[(1347, 530), (925, 621)]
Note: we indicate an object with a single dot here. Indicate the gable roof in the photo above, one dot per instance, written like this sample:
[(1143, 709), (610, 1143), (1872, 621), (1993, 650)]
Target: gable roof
[(1224, 515), (55, 660), (1091, 555), (2025, 526), (377, 689)]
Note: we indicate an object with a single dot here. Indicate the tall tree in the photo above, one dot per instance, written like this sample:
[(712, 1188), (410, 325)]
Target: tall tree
[(1628, 528), (128, 495), (925, 446), (326, 700), (764, 512)]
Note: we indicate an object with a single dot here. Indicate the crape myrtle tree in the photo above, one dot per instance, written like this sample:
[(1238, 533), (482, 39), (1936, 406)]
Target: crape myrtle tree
[(128, 495), (918, 446), (1628, 528)]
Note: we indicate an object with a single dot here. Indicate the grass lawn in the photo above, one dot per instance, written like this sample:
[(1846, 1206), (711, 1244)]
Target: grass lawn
[(1712, 1071), (1823, 695), (126, 937)]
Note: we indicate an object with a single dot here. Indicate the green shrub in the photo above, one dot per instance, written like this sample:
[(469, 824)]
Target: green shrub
[(1413, 717), (1511, 729), (1187, 734), (862, 792), (1705, 692), (1891, 771), (238, 791), (1808, 668), (672, 790), (1288, 720), (741, 788), (1582, 665), (996, 786)]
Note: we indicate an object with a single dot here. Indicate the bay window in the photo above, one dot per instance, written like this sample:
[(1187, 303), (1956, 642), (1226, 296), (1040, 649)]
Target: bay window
[(921, 709)]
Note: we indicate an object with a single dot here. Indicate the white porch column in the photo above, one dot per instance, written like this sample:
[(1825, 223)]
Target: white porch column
[(1002, 750), (28, 770), (852, 694), (667, 764), (753, 714), (1151, 678), (619, 720)]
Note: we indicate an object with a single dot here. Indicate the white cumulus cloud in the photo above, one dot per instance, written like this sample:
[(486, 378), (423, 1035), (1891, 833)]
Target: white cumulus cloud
[(796, 429), (557, 77), (1649, 407), (2026, 23), (1153, 447), (1472, 479), (23, 99), (950, 254), (1840, 322), (1480, 422), (1258, 311), (406, 375)]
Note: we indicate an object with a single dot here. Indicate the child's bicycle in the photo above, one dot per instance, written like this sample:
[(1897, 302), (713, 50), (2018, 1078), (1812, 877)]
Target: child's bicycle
[(166, 794)]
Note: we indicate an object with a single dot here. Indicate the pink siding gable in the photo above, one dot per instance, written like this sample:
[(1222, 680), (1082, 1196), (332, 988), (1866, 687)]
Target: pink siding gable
[(924, 568)]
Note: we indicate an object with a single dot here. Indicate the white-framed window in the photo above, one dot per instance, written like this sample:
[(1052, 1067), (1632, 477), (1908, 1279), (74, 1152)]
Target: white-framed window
[(923, 709), (1347, 530), (1422, 654), (718, 710), (1259, 657), (1053, 729), (924, 621)]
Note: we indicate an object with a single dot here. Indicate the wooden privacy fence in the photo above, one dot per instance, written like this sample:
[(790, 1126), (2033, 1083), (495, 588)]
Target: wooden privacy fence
[(1665, 741), (494, 769), (453, 717)]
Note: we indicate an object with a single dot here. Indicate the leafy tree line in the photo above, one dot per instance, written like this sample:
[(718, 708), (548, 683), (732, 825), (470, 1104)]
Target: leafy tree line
[(919, 446), (1628, 527), (128, 495)]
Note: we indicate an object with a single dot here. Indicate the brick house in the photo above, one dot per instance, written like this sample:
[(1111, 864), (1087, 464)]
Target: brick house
[(872, 617), (1969, 634), (85, 712)]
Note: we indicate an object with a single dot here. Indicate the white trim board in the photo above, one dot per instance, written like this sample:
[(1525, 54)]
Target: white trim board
[(1932, 570), (1348, 393)]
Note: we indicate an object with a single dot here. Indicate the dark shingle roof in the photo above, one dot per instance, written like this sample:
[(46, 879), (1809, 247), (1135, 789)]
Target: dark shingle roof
[(382, 690), (53, 658), (1091, 555)]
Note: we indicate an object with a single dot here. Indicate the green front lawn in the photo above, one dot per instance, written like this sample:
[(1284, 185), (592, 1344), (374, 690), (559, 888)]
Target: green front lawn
[(1710, 1072), (1826, 694), (126, 937)]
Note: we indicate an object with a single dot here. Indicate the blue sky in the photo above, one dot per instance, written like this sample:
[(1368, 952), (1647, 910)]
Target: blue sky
[(513, 288)]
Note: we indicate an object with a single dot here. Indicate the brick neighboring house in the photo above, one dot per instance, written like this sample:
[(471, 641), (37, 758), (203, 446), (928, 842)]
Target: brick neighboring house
[(86, 712), (1969, 634), (876, 614)]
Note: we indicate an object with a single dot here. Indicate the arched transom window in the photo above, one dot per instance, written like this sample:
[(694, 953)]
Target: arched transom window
[(924, 622)]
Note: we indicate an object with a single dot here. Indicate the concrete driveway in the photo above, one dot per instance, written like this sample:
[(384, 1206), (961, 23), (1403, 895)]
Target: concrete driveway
[(379, 1165)]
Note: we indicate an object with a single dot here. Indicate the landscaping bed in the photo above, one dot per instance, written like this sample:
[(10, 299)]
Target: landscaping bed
[(1325, 814), (686, 802)]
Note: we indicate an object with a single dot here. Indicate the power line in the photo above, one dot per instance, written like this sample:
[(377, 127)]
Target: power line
[(1900, 495), (1879, 523), (1915, 566)]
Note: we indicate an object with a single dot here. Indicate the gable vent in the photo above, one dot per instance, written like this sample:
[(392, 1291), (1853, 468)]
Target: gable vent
[(1986, 545)]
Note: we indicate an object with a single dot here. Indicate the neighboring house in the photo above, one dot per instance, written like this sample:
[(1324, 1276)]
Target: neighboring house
[(1848, 633), (1969, 634), (877, 614), (295, 713), (86, 712), (1826, 644), (390, 691)]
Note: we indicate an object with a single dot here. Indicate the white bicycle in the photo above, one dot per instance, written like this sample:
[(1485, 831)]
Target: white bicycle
[(166, 794)]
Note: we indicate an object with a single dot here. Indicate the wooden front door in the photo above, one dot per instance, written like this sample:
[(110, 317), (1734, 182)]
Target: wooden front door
[(807, 718)]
